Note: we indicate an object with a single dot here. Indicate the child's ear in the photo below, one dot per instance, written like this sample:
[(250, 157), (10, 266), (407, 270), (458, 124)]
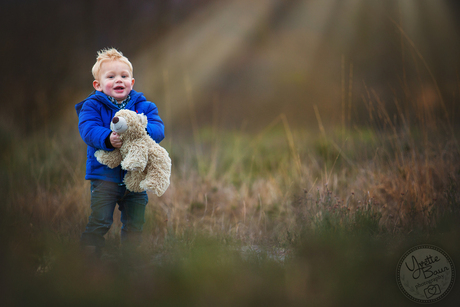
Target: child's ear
[(97, 85), (132, 82)]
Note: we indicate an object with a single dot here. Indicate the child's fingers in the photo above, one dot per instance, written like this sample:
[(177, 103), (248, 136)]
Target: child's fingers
[(115, 140)]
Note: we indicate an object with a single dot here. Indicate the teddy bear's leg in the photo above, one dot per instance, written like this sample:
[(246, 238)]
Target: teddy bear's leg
[(132, 181), (110, 158), (158, 170), (156, 180), (136, 159)]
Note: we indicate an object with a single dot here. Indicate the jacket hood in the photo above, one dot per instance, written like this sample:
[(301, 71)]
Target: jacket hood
[(102, 98)]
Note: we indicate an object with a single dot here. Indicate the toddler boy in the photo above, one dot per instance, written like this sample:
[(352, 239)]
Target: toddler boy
[(113, 84)]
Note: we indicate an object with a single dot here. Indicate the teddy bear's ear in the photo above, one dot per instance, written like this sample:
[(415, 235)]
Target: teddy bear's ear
[(143, 119)]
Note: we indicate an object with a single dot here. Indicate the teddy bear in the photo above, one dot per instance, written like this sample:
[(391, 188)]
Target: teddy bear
[(147, 164)]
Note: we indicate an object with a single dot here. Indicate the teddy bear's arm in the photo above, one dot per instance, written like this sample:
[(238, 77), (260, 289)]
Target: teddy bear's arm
[(110, 158), (136, 159)]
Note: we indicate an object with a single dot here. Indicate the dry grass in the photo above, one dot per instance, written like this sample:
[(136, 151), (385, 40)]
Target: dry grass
[(252, 187), (270, 208)]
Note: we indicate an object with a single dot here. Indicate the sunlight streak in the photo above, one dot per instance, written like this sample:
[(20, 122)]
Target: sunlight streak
[(199, 47), (261, 52)]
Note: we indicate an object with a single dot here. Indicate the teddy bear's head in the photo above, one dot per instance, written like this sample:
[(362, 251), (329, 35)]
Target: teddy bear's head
[(128, 123)]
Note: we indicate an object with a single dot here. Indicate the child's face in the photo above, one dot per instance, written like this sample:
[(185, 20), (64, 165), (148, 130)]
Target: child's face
[(114, 80)]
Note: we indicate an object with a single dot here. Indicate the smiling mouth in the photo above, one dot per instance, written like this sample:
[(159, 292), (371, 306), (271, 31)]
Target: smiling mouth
[(118, 88)]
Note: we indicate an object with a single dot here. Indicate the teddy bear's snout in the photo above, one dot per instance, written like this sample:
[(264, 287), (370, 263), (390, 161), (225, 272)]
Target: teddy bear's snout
[(119, 124)]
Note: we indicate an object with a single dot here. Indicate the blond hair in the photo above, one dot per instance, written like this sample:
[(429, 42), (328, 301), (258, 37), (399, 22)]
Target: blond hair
[(109, 54)]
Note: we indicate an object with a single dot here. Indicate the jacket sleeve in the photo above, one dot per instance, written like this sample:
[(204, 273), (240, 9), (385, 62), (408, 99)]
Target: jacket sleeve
[(155, 126), (91, 127)]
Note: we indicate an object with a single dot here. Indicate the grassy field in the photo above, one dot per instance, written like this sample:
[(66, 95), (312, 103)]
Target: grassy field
[(277, 217)]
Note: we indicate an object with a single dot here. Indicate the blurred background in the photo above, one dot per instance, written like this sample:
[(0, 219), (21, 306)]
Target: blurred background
[(238, 63), (311, 141)]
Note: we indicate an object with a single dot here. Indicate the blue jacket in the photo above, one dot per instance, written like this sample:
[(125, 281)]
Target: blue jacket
[(94, 116)]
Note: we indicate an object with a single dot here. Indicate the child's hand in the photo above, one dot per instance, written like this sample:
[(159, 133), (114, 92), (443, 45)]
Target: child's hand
[(115, 140)]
